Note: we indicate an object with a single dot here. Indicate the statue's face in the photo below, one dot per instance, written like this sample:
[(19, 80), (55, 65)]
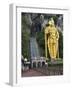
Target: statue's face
[(51, 25)]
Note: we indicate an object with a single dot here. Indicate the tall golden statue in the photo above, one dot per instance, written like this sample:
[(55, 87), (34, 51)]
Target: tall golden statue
[(51, 40)]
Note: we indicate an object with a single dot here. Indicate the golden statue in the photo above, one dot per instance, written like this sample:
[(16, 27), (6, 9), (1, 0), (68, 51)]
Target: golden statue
[(51, 40)]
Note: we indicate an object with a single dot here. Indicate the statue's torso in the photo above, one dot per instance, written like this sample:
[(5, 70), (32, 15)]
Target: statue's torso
[(51, 31), (52, 37)]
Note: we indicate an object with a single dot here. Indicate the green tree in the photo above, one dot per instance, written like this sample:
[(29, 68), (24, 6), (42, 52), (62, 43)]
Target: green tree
[(25, 35)]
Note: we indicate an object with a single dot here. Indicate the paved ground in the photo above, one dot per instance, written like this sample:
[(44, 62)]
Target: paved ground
[(32, 72), (43, 71)]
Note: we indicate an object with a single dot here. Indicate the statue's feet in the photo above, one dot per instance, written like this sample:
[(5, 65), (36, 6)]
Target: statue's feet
[(53, 61)]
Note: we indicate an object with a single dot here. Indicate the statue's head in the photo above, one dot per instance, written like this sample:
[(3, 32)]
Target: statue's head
[(51, 22)]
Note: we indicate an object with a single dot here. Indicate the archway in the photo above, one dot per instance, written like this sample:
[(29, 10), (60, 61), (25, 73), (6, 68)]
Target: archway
[(34, 64), (39, 64), (43, 64)]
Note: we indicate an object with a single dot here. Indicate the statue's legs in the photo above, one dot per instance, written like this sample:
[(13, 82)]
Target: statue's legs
[(53, 47)]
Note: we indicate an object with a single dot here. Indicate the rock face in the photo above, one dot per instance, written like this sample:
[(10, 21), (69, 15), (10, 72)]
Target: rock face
[(60, 22)]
